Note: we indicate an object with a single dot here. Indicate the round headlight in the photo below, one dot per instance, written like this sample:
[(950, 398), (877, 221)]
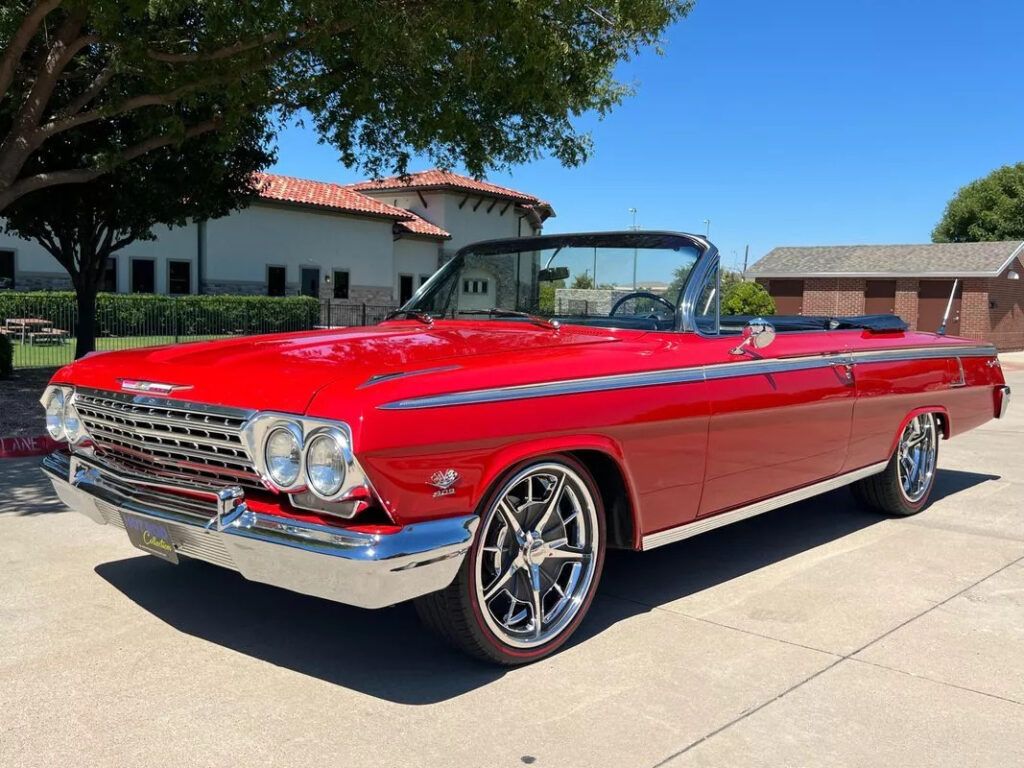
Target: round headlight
[(325, 465), (283, 457), (55, 415), (73, 430)]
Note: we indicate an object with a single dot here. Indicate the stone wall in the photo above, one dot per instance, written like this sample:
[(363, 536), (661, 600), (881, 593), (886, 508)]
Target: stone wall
[(588, 301), (42, 281), (241, 288)]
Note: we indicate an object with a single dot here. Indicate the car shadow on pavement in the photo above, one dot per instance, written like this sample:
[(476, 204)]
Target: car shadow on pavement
[(335, 642)]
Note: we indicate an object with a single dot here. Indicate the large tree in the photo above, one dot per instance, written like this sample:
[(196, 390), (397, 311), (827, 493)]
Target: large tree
[(82, 225), (991, 208), (485, 84)]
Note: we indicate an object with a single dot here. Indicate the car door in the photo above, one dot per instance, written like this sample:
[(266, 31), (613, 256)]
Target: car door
[(780, 416)]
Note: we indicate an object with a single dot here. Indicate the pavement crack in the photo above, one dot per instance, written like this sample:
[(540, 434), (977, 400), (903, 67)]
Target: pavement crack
[(846, 657), (939, 682)]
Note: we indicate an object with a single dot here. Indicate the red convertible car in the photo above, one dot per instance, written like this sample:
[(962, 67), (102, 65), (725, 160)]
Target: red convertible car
[(538, 401)]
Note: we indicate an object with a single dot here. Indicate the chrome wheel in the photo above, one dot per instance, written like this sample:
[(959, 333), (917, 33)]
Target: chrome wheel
[(916, 457), (537, 559)]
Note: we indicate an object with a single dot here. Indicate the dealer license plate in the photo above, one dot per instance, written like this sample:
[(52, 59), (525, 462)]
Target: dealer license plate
[(150, 536)]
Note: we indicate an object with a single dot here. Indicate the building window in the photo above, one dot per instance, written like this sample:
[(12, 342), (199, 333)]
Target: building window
[(108, 282), (6, 269), (404, 288), (179, 278), (340, 284), (275, 281), (475, 286), (309, 281), (143, 276)]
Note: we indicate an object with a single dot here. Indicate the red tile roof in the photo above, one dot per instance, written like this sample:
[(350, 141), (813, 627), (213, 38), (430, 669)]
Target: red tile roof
[(437, 179), (417, 226), (334, 197)]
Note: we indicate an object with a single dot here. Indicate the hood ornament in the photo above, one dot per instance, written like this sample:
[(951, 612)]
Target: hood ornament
[(131, 385), (444, 481)]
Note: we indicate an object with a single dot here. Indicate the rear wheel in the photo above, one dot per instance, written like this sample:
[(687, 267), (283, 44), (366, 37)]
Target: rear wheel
[(533, 569), (905, 485)]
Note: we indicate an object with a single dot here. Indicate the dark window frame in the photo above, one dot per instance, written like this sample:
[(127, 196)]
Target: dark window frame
[(110, 269), (170, 288), (132, 261), (284, 280), (336, 283), (402, 298), (303, 268), (14, 266)]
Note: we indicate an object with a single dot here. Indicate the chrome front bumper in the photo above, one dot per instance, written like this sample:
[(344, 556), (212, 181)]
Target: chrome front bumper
[(363, 569)]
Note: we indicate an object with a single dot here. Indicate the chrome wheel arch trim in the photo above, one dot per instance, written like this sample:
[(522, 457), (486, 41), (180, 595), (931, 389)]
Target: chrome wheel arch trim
[(705, 524), (690, 374)]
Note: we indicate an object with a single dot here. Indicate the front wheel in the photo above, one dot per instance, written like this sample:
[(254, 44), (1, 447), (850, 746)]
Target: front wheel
[(906, 483), (533, 569)]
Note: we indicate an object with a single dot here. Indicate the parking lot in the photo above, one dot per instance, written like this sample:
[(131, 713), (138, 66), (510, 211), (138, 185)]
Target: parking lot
[(815, 635)]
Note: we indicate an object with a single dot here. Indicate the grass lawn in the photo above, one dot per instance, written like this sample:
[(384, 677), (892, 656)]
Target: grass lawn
[(54, 355)]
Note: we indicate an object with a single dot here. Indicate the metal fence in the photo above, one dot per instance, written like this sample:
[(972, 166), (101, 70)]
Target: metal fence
[(42, 329)]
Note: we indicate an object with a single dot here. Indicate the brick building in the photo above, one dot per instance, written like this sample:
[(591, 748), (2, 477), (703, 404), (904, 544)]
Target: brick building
[(912, 281)]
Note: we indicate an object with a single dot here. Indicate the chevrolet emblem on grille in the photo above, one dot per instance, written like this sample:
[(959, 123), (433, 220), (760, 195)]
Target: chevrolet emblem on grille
[(131, 385)]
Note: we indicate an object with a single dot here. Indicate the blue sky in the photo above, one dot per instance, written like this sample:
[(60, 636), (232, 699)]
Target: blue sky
[(788, 123)]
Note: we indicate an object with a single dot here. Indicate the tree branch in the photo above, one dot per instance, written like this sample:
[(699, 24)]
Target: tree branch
[(238, 47), (19, 42), (95, 88), (40, 181)]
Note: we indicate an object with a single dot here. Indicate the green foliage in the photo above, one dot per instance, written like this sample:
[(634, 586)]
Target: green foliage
[(119, 314), (741, 298), (991, 208), (485, 85), (583, 281), (546, 299), (6, 357)]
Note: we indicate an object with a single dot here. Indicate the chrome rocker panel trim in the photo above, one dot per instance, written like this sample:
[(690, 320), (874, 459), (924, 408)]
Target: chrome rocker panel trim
[(706, 524), (362, 569)]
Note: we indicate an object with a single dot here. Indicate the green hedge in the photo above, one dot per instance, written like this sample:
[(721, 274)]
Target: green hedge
[(119, 314), (6, 357)]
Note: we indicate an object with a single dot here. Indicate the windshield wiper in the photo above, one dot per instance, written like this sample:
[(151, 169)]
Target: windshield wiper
[(498, 312), (415, 314)]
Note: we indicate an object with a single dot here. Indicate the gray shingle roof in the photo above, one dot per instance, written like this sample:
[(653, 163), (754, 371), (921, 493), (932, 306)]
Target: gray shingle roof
[(927, 259)]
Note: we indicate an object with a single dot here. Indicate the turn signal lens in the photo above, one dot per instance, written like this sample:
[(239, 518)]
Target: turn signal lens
[(55, 414), (325, 465), (283, 457)]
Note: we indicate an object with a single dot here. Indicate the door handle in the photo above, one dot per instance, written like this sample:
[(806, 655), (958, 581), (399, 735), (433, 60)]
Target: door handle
[(847, 369)]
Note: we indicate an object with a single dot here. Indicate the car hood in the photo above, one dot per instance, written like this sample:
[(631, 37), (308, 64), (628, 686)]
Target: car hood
[(283, 372)]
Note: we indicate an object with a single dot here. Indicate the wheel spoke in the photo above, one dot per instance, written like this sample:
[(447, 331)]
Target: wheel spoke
[(509, 516), (568, 554), (556, 496), (499, 583), (538, 610)]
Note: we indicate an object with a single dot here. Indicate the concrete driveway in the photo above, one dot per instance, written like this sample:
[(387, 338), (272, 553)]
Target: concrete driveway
[(815, 635)]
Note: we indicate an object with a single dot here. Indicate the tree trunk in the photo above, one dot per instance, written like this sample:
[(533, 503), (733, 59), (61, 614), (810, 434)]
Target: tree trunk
[(86, 291)]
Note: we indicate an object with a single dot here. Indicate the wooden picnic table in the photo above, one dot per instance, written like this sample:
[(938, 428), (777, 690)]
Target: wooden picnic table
[(28, 325)]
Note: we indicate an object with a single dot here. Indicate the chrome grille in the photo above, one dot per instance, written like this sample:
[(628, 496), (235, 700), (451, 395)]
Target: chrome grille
[(169, 439)]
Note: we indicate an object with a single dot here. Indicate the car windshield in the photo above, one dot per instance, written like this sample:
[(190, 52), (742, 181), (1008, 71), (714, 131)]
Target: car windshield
[(628, 280)]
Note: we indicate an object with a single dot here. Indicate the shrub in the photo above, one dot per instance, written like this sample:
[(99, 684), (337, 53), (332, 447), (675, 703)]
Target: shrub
[(119, 314), (6, 357), (747, 299)]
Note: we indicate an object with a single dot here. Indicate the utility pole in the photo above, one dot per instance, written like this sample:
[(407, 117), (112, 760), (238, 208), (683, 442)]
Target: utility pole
[(707, 228), (746, 256), (634, 228)]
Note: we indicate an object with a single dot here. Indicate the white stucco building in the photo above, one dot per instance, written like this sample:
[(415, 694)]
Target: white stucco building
[(373, 242)]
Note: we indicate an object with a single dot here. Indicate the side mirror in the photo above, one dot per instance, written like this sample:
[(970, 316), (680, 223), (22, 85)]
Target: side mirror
[(757, 334)]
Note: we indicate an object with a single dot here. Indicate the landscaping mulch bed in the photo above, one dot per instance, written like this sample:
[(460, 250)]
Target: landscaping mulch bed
[(20, 412)]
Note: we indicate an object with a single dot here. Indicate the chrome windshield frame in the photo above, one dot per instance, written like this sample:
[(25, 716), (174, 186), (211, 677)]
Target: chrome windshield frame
[(707, 259)]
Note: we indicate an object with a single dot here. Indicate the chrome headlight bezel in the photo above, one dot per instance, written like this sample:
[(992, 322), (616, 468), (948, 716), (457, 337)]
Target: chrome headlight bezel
[(258, 429), (341, 444), (295, 432), (65, 395)]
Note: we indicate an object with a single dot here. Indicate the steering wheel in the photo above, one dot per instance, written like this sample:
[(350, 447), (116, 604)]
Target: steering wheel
[(642, 295)]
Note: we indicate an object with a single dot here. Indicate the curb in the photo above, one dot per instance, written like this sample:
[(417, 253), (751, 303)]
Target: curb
[(20, 447)]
